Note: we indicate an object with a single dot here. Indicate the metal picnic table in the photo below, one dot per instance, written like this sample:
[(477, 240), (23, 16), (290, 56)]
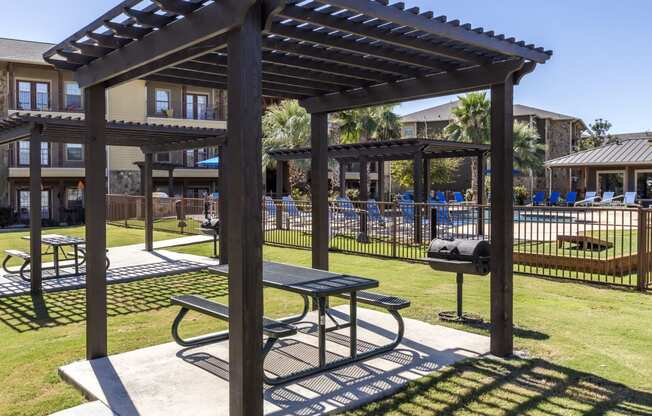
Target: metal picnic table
[(319, 285), (59, 243)]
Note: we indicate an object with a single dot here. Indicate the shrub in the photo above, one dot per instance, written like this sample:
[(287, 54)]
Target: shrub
[(520, 195)]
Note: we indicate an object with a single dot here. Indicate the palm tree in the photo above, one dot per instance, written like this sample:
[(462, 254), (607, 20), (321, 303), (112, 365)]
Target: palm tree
[(470, 123), (367, 124), (286, 125), (529, 152)]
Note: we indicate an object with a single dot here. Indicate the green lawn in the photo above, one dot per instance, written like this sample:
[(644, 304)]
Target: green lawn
[(115, 237), (592, 344)]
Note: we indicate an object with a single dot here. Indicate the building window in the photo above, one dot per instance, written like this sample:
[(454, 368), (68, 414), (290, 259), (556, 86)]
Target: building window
[(23, 153), (611, 181), (197, 106), (72, 97), (162, 102), (74, 152), (33, 96), (202, 154), (74, 198), (408, 132), (163, 157), (24, 204)]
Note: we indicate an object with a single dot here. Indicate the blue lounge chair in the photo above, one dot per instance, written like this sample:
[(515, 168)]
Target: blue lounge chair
[(539, 198), (630, 199), (294, 213), (554, 198), (571, 198), (440, 197), (270, 207), (347, 209), (590, 198), (607, 198), (459, 198), (373, 213)]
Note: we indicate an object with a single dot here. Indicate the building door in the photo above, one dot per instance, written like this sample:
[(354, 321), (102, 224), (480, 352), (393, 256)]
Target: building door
[(644, 184), (197, 107)]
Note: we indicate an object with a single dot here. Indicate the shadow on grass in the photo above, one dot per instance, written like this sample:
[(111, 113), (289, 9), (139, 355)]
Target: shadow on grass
[(515, 387), (30, 313)]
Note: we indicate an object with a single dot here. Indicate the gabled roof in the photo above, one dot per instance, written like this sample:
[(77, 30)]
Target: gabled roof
[(23, 51), (443, 113), (633, 151)]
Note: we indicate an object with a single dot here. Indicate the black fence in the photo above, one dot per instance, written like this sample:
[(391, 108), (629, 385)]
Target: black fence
[(600, 244)]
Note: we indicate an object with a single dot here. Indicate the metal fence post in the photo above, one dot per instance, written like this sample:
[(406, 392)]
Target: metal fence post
[(433, 223), (394, 228), (642, 267)]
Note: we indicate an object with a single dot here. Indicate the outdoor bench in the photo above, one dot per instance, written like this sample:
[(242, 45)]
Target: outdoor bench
[(82, 252), (27, 259), (391, 303), (272, 329)]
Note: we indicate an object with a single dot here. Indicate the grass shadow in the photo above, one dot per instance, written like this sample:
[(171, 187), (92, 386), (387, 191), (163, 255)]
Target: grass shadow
[(515, 387), (31, 313)]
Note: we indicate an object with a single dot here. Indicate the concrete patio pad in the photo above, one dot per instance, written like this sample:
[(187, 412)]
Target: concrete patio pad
[(169, 379), (128, 263)]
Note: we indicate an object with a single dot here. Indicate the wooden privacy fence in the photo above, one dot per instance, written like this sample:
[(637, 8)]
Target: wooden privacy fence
[(599, 244)]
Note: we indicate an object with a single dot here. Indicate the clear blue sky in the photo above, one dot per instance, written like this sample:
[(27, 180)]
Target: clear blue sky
[(602, 65)]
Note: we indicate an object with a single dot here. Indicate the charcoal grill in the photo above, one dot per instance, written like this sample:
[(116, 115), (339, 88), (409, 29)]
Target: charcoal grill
[(211, 226), (460, 257)]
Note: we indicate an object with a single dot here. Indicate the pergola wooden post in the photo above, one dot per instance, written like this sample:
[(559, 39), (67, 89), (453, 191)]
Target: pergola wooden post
[(342, 166), (502, 217), (245, 239), (364, 179), (36, 268), (480, 193), (222, 207), (95, 163), (149, 201), (319, 187), (418, 196), (426, 179), (380, 189)]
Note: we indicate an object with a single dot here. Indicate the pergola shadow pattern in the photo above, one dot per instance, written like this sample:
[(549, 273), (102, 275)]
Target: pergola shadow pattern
[(18, 287), (331, 55)]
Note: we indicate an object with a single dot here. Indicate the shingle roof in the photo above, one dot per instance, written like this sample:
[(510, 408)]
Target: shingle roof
[(23, 51), (634, 151), (443, 113)]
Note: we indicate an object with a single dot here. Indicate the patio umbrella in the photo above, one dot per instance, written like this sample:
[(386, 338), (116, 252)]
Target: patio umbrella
[(213, 163)]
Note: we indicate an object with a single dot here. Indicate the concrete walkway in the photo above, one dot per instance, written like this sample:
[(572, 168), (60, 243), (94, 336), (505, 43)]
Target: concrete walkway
[(171, 380)]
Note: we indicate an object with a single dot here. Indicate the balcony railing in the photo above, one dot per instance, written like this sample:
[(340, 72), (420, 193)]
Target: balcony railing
[(210, 113)]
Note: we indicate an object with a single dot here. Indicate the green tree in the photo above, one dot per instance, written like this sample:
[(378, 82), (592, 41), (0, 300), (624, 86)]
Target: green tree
[(529, 152), (442, 172), (470, 123), (598, 136), (367, 124)]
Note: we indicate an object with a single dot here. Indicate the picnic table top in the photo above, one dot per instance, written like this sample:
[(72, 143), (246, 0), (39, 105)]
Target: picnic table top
[(306, 281), (59, 240)]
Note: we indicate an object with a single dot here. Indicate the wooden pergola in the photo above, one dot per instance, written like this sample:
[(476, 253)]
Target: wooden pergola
[(150, 138), (331, 55), (420, 151)]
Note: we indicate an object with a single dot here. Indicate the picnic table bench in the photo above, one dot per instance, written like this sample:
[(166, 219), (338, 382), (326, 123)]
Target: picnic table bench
[(584, 242), (308, 283)]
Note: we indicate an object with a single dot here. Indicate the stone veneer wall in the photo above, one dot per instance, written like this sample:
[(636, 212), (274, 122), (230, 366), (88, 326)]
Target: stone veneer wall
[(124, 182)]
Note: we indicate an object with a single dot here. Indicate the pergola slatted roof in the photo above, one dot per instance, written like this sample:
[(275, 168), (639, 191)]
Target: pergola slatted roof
[(386, 150), (148, 136), (316, 51)]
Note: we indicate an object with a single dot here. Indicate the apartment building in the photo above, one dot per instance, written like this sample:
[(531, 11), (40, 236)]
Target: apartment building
[(559, 132), (30, 85)]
